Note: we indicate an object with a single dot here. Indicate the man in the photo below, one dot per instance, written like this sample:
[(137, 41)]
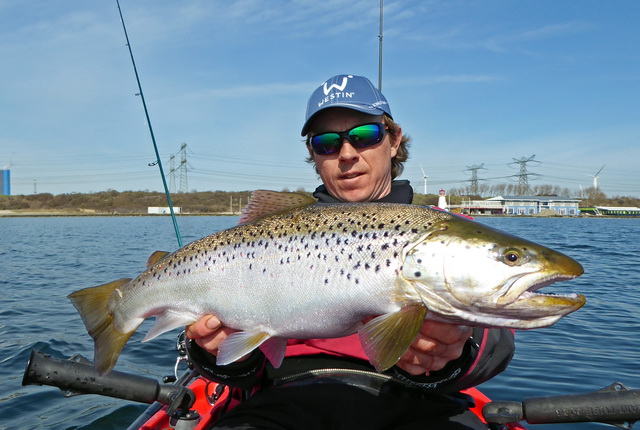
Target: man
[(358, 151)]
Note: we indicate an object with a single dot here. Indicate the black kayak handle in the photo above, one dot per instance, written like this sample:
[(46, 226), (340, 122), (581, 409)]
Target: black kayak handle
[(615, 405), (78, 376)]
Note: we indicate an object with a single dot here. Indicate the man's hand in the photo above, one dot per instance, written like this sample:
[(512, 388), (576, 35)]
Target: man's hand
[(208, 332), (437, 344)]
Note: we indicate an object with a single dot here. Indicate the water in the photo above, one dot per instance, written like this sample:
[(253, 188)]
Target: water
[(42, 260)]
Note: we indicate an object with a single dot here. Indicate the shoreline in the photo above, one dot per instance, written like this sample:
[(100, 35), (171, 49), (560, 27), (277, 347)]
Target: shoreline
[(76, 213), (7, 213)]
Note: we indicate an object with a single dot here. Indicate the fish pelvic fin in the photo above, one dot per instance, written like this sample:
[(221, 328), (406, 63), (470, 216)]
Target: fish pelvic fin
[(266, 202), (274, 349), (386, 338), (239, 344), (93, 306), (156, 257)]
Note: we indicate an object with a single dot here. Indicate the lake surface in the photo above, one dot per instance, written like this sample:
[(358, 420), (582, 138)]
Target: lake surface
[(42, 260)]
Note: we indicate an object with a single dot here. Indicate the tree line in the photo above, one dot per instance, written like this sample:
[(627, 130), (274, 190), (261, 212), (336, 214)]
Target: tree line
[(589, 197), (220, 202), (128, 202)]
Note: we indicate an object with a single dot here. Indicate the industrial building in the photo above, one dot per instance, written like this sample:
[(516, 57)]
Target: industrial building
[(522, 205), (5, 182)]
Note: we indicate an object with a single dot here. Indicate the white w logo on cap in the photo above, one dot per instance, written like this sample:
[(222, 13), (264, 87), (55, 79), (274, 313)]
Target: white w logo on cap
[(340, 87)]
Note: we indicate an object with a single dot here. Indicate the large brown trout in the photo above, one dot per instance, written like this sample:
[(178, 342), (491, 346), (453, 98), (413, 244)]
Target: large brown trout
[(296, 270)]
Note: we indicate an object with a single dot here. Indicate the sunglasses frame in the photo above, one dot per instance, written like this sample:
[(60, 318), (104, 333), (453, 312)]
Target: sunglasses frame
[(344, 135)]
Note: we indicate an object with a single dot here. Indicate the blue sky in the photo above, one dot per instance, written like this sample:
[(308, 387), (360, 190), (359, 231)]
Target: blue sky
[(472, 82)]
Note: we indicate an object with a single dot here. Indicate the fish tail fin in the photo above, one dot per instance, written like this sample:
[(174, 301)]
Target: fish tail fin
[(93, 306)]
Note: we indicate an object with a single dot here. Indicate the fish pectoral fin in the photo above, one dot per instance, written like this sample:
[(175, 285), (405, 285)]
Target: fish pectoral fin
[(155, 257), (239, 344), (168, 320), (274, 349), (93, 305), (386, 338)]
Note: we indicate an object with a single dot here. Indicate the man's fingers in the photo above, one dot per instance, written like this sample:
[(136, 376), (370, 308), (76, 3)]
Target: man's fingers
[(204, 327)]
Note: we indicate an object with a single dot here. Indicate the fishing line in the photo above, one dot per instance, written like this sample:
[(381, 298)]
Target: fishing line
[(153, 138)]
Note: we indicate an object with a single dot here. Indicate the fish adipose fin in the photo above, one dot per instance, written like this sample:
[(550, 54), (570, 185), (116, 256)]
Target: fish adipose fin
[(386, 338), (239, 344), (92, 304), (265, 202), (168, 320), (155, 257)]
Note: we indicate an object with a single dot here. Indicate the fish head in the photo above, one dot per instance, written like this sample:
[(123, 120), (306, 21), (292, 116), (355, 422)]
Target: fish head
[(469, 273)]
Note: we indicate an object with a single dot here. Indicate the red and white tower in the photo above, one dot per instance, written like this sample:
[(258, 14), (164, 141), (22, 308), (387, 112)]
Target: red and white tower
[(442, 200)]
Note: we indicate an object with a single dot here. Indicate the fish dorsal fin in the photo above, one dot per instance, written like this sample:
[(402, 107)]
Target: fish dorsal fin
[(266, 202), (155, 257)]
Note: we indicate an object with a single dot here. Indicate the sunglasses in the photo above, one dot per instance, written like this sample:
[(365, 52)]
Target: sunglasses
[(362, 136)]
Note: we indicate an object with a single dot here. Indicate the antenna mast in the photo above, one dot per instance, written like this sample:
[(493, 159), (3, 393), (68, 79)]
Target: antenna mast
[(380, 50)]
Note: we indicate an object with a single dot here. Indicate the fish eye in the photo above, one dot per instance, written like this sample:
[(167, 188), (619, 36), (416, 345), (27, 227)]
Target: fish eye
[(511, 257)]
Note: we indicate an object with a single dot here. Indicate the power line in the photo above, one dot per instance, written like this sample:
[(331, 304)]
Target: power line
[(474, 177), (184, 180), (524, 175)]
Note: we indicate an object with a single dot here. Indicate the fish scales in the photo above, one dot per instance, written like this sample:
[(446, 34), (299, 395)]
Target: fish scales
[(347, 256), (292, 269)]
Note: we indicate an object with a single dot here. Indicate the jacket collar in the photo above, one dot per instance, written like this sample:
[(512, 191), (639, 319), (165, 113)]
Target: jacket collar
[(401, 192)]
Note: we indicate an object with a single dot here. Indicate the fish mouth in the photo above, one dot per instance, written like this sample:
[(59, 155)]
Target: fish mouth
[(521, 293)]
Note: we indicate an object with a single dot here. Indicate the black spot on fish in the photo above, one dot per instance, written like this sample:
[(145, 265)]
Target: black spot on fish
[(417, 274)]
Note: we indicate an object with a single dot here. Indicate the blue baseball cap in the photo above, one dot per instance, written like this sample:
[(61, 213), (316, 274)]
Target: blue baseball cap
[(348, 91)]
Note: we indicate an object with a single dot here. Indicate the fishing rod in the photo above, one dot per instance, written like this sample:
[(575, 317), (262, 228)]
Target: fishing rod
[(153, 138)]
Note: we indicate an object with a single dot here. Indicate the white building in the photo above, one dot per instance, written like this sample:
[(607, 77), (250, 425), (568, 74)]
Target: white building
[(159, 210), (522, 205)]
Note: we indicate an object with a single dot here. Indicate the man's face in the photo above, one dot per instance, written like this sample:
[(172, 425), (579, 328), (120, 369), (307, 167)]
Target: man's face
[(351, 174)]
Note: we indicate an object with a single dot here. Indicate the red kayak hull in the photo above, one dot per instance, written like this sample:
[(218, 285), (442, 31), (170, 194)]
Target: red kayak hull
[(204, 390)]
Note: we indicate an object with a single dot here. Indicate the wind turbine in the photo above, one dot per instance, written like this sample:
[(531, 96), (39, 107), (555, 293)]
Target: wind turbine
[(424, 178), (595, 178)]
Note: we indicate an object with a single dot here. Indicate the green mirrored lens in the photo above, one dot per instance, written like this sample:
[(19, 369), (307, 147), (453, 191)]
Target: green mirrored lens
[(326, 143), (365, 135)]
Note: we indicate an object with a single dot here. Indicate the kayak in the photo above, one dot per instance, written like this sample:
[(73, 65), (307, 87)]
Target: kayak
[(193, 402), (212, 399)]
